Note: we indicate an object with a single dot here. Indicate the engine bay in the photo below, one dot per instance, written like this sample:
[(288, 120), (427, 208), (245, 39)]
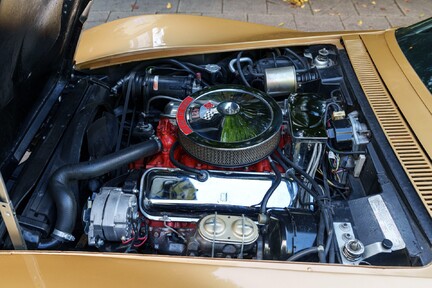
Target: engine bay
[(260, 154)]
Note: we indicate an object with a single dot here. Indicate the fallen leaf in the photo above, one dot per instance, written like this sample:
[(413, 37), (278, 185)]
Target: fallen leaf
[(169, 6), (364, 5), (422, 15), (298, 3), (316, 10), (373, 2), (281, 24), (360, 22)]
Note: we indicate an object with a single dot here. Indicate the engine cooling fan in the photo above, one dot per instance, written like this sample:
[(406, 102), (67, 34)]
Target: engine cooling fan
[(229, 125)]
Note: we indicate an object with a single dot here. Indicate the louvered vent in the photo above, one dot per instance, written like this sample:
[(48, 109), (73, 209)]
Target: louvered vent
[(416, 163)]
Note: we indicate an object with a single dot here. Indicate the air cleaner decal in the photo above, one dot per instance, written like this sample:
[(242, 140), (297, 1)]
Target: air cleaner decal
[(181, 116)]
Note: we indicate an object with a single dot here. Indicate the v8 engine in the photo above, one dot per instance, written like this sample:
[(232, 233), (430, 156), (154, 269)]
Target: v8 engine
[(261, 154)]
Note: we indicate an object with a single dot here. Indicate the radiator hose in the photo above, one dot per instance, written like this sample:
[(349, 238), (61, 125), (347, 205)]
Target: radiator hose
[(60, 189)]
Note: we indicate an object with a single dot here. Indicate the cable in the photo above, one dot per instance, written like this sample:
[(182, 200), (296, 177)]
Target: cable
[(324, 118), (160, 97), (304, 64), (304, 253)]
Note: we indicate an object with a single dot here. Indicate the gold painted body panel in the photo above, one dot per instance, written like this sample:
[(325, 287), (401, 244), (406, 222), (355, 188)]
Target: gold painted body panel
[(51, 269), (155, 36), (406, 88)]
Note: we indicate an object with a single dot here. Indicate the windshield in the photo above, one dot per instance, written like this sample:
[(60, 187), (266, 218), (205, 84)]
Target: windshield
[(416, 43)]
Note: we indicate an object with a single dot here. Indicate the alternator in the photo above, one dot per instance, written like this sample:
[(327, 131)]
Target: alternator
[(112, 213)]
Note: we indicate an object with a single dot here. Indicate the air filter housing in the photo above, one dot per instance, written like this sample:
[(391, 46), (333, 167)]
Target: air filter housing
[(229, 125)]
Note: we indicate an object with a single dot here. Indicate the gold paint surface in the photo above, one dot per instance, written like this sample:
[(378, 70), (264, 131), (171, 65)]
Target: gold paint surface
[(157, 36), (56, 269), (408, 96)]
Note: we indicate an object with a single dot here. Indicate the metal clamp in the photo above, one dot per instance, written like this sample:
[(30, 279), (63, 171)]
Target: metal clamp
[(63, 235)]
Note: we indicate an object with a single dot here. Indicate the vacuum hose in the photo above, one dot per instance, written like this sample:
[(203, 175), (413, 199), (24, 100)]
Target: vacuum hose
[(60, 189)]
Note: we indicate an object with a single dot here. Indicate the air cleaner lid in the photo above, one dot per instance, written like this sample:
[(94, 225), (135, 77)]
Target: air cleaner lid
[(229, 116)]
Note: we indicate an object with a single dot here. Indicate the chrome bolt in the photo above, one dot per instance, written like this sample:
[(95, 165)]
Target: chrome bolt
[(100, 243), (353, 250)]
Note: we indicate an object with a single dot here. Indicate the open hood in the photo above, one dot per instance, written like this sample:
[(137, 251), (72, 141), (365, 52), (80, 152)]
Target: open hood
[(37, 41)]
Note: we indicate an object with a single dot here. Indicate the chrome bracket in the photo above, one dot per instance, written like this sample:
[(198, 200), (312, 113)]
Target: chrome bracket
[(9, 218)]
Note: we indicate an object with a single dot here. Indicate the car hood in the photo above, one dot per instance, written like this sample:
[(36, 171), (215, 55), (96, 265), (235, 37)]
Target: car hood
[(37, 39)]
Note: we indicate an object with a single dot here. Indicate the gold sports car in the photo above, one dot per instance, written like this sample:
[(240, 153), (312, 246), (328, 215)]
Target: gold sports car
[(186, 151)]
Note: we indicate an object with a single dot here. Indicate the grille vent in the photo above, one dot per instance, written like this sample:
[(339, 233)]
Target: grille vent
[(415, 162)]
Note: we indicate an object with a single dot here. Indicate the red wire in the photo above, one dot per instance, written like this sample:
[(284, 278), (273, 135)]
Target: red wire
[(127, 241), (144, 239), (130, 239)]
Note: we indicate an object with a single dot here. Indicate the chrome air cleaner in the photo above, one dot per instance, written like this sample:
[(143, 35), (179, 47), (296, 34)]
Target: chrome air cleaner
[(229, 125)]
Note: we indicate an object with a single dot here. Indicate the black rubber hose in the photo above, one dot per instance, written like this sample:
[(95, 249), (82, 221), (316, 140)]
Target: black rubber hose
[(302, 185), (240, 71), (320, 240), (303, 253), (300, 171), (280, 162), (329, 242), (202, 175), (275, 184), (60, 189), (302, 61)]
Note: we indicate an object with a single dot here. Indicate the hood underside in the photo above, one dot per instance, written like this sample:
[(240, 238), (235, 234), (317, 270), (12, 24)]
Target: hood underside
[(37, 40)]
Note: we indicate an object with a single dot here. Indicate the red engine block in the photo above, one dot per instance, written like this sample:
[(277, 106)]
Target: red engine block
[(167, 133)]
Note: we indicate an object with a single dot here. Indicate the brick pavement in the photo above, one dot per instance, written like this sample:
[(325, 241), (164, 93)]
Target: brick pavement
[(316, 15)]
